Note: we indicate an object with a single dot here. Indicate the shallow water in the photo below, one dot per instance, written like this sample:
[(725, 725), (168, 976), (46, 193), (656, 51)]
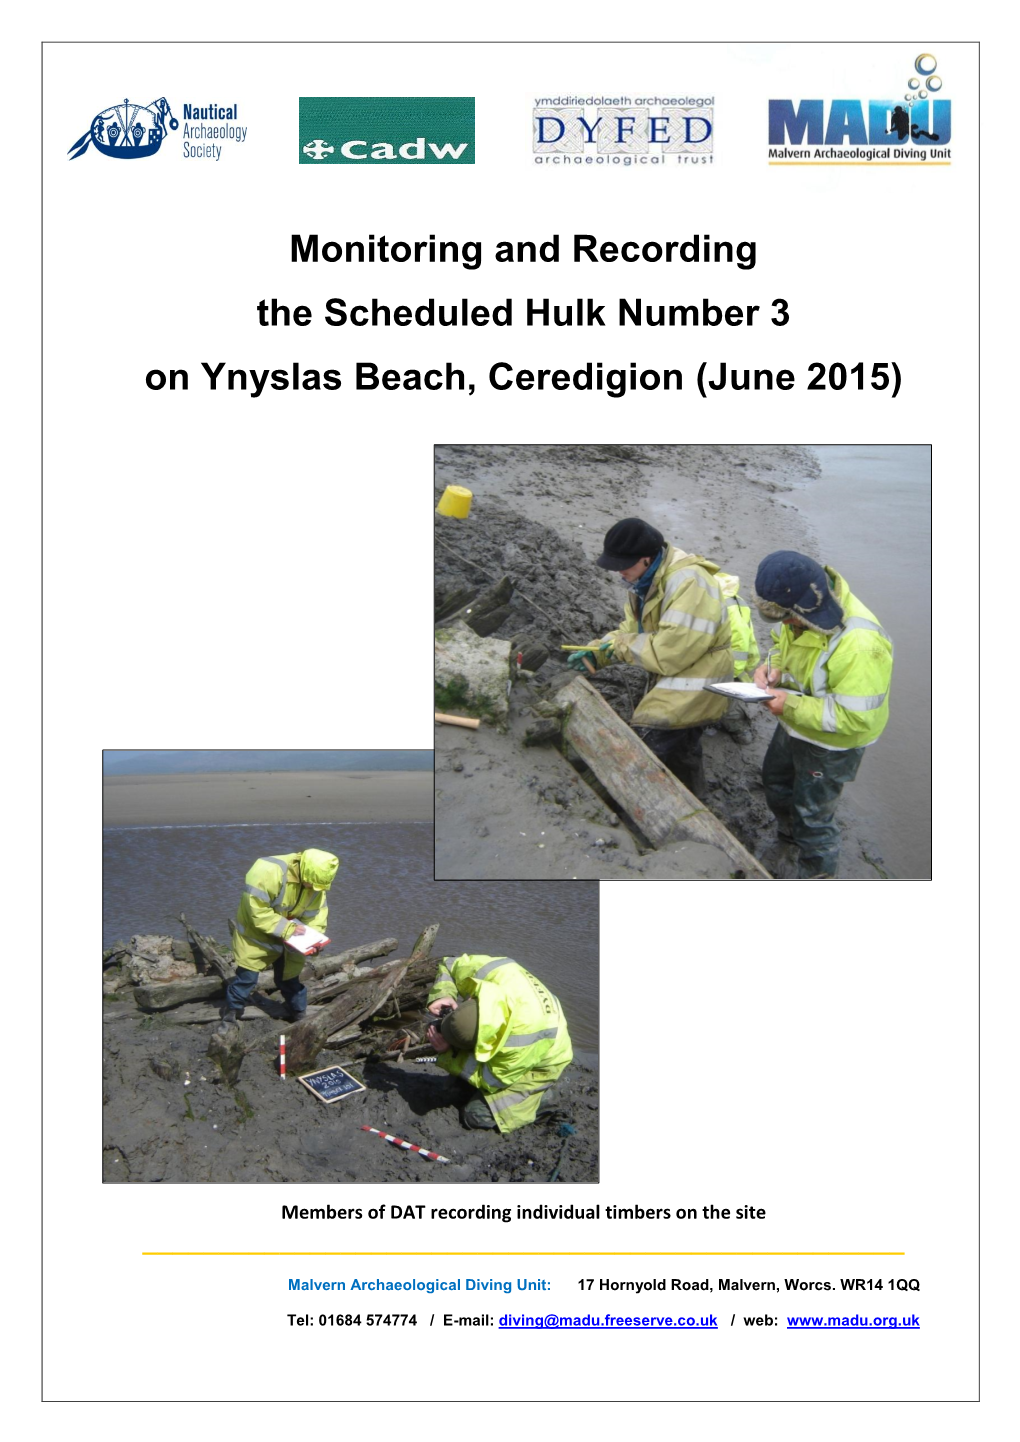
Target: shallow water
[(385, 888), (868, 514), (871, 512), (164, 763)]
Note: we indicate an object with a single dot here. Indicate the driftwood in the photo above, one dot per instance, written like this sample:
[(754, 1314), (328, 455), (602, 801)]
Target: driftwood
[(486, 612), (206, 952), (364, 993), (454, 601), (161, 996), (319, 966), (660, 804), (226, 1051)]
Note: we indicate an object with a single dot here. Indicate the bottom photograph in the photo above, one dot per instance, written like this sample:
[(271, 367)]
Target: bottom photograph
[(290, 996)]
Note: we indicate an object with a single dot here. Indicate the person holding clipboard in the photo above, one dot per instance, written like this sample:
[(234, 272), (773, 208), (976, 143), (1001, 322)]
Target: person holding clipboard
[(836, 659), (686, 626), (281, 898)]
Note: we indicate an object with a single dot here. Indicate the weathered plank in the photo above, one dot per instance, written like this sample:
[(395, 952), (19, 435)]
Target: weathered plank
[(203, 947), (316, 967), (161, 996), (660, 804), (363, 994)]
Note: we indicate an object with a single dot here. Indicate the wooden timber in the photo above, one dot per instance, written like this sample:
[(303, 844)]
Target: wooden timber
[(206, 952), (364, 993), (323, 976), (660, 805)]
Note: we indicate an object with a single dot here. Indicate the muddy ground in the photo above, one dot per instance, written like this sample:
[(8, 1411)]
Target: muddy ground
[(167, 1119), (539, 515)]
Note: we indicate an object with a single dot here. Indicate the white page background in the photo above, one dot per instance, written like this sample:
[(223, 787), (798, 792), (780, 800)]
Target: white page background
[(864, 990)]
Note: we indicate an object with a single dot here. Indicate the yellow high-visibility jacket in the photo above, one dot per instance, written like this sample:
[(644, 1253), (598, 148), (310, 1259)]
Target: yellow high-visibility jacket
[(743, 642), (684, 636), (845, 678), (272, 900), (523, 1044)]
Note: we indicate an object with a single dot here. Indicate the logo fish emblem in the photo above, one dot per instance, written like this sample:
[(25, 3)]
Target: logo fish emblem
[(127, 132)]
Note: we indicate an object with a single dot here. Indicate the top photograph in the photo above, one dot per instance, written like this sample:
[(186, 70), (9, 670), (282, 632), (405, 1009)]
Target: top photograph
[(683, 662)]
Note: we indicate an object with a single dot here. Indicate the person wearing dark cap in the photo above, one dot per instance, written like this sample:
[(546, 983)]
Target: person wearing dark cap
[(502, 1033), (686, 626), (837, 661)]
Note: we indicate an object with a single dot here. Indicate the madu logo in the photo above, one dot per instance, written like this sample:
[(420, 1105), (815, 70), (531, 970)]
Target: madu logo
[(891, 130)]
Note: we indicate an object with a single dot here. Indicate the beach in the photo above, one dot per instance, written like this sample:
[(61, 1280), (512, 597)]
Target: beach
[(538, 517), (253, 797)]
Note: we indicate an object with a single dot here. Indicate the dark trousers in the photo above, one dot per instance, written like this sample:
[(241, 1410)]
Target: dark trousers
[(802, 785), (243, 983), (476, 1116), (679, 750)]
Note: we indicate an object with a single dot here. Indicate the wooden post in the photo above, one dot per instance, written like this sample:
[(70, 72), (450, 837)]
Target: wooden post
[(361, 996), (660, 804), (204, 948)]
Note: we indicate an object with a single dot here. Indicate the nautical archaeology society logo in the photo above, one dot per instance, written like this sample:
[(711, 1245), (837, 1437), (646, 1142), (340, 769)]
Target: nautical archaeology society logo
[(127, 132), (621, 130), (392, 130), (130, 131), (896, 131)]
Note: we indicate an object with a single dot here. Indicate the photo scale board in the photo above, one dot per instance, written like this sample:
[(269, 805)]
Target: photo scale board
[(331, 1084)]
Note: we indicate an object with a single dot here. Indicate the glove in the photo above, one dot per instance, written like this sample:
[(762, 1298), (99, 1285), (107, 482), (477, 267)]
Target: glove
[(600, 654)]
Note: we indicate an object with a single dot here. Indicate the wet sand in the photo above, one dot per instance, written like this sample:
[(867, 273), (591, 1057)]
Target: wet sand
[(267, 796), (539, 516)]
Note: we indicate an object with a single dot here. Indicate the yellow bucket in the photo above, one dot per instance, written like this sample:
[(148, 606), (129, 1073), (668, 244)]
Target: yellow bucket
[(456, 501)]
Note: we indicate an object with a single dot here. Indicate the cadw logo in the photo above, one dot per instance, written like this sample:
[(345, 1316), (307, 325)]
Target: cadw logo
[(392, 130), (916, 128)]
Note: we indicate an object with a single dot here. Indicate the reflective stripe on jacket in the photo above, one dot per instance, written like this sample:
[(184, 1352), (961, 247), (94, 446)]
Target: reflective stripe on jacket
[(845, 677), (272, 900), (522, 1045), (682, 635), (743, 642)]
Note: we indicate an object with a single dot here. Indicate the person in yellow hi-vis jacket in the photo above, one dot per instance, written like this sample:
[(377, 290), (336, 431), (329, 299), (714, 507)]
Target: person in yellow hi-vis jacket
[(503, 1033), (837, 661), (685, 624), (282, 895)]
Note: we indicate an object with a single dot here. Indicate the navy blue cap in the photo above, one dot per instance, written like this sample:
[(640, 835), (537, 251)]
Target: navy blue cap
[(799, 585), (628, 541)]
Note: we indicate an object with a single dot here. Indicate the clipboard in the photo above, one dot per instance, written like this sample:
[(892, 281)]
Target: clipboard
[(306, 940), (739, 691)]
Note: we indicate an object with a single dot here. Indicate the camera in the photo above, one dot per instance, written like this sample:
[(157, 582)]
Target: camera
[(436, 1019)]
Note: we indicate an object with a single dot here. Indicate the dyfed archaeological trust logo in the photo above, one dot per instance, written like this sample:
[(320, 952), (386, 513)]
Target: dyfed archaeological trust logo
[(620, 130), (388, 130), (891, 131)]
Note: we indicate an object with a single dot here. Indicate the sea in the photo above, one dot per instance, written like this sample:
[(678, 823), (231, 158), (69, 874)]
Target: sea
[(871, 511), (176, 763), (385, 887)]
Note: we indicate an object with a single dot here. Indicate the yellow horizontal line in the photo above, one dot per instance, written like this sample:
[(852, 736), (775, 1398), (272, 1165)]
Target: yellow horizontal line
[(524, 1254), (899, 164)]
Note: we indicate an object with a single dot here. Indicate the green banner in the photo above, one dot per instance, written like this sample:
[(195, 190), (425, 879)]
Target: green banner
[(387, 130)]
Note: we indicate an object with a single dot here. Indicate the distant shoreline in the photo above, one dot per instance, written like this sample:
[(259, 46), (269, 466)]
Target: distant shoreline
[(211, 798)]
